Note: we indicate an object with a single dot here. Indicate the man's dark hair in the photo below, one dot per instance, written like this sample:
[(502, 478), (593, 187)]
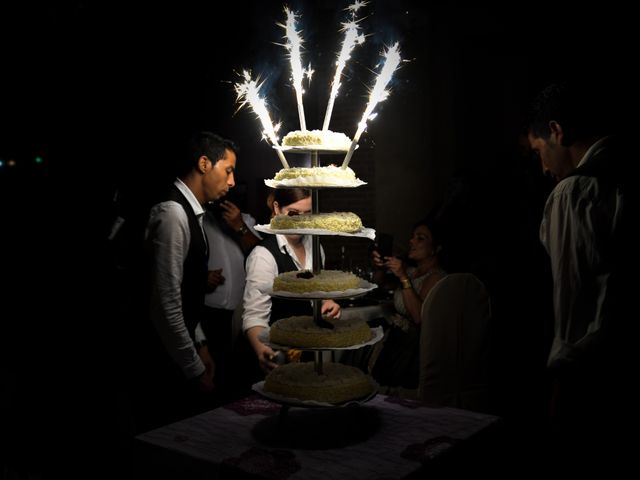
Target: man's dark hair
[(208, 144), (581, 109)]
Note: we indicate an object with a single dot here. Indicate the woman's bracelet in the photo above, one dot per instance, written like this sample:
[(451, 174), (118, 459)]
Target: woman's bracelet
[(405, 283)]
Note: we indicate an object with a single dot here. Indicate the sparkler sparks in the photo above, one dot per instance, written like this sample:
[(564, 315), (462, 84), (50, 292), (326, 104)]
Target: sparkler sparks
[(351, 39), (355, 6), (293, 45), (378, 94), (248, 92)]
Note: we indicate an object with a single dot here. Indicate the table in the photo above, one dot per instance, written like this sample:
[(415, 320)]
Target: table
[(387, 437)]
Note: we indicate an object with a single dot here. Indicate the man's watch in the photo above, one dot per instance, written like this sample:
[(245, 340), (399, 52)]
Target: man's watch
[(200, 344), (243, 229)]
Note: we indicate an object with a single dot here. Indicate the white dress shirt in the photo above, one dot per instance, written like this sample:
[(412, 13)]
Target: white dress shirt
[(225, 253), (168, 236), (579, 220), (261, 269)]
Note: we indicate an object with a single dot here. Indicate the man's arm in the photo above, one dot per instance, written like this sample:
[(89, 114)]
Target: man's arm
[(168, 238)]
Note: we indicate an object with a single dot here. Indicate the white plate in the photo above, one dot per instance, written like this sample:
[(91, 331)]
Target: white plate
[(295, 402), (306, 183), (376, 336), (362, 289), (364, 232)]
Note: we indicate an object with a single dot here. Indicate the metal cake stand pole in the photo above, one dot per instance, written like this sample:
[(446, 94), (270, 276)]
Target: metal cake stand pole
[(317, 259)]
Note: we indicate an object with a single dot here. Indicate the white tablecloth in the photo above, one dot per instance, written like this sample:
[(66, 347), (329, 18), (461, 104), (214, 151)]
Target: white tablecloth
[(392, 439)]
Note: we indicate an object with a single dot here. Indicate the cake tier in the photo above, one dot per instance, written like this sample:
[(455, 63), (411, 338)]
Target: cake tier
[(327, 176), (305, 281), (302, 332), (317, 138), (338, 383), (337, 222)]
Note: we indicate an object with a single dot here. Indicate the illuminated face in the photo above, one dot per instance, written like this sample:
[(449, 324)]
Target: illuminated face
[(219, 179), (421, 244), (554, 158)]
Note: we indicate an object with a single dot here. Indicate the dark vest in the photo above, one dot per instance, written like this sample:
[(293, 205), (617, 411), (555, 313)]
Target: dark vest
[(194, 280), (281, 308)]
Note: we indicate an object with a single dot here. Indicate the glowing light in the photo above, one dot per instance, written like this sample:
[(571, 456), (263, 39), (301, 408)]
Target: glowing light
[(355, 6), (351, 39), (293, 46), (378, 94), (248, 93), (38, 159)]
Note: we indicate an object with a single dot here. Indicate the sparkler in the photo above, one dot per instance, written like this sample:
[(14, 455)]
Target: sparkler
[(378, 94), (249, 93), (351, 38), (294, 42)]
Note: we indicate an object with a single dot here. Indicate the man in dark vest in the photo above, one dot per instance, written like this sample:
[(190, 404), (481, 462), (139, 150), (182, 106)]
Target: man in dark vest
[(178, 375)]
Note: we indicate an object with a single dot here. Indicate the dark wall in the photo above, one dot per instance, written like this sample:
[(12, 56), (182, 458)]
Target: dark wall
[(106, 92)]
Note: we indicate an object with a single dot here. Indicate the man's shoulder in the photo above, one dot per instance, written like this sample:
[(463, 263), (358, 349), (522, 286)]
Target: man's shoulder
[(167, 209), (573, 184)]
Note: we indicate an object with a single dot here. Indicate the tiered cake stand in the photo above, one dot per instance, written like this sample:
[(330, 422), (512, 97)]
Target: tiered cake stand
[(317, 297)]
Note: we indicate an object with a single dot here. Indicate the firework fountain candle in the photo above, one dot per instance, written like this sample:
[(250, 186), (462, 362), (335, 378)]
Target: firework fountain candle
[(293, 45), (351, 39), (378, 94), (248, 92)]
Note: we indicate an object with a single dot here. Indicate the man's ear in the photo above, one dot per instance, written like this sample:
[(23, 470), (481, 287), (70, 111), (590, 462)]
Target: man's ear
[(203, 164), (556, 132)]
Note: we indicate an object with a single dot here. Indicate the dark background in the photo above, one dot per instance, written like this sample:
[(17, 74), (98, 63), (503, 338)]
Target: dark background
[(106, 92)]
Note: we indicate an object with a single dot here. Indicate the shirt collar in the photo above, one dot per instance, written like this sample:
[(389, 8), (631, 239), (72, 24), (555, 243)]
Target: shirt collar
[(284, 247), (191, 198), (592, 149)]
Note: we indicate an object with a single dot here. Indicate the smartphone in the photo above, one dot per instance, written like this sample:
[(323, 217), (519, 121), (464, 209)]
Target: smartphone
[(384, 244)]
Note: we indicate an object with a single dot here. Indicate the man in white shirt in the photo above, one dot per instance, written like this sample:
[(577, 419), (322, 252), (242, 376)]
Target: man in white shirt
[(231, 236), (585, 230)]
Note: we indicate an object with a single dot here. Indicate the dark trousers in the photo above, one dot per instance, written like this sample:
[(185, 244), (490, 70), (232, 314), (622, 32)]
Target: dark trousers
[(162, 394), (592, 409), (217, 327)]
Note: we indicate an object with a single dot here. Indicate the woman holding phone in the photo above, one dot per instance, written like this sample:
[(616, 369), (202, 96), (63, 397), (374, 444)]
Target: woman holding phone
[(397, 362)]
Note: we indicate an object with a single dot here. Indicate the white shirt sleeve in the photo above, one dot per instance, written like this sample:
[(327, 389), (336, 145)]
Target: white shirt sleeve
[(570, 233), (168, 237), (261, 269), (250, 222)]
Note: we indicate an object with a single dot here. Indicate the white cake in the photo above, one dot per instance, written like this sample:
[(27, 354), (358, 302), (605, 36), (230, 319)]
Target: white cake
[(302, 332), (328, 176), (347, 222), (317, 139), (338, 383), (305, 281)]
